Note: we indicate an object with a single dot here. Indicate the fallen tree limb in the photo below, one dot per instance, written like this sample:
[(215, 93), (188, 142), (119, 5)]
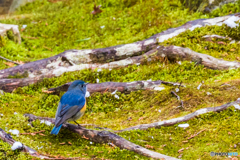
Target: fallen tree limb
[(79, 58), (184, 118), (8, 138), (106, 137), (126, 87)]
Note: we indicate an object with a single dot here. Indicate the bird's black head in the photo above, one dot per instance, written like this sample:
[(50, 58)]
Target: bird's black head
[(78, 85)]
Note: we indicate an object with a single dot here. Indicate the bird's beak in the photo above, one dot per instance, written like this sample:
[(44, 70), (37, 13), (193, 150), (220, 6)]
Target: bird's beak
[(85, 83)]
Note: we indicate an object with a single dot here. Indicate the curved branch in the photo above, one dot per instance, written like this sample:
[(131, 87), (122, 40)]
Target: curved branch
[(126, 87), (184, 118), (106, 137)]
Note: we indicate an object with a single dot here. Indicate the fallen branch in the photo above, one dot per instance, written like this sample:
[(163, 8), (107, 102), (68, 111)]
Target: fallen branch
[(74, 60), (119, 86), (173, 53), (184, 118), (8, 138), (10, 60), (106, 137)]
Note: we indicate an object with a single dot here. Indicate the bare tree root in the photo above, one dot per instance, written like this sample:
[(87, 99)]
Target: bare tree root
[(106, 137), (8, 138), (126, 87), (184, 118)]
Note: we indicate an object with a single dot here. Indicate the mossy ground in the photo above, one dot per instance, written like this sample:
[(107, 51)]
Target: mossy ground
[(67, 25)]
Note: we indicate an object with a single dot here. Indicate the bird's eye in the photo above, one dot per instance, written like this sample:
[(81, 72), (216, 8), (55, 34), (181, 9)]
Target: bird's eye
[(82, 85)]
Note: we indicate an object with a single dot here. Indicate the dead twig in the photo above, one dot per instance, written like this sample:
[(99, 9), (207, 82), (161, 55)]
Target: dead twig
[(10, 60), (194, 135), (33, 134), (178, 97)]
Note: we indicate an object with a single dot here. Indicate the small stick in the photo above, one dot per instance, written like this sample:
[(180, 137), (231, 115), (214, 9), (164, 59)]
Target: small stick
[(178, 97), (175, 95), (192, 136), (34, 133), (10, 60)]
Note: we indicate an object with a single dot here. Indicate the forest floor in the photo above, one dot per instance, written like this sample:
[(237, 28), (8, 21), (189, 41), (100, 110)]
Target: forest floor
[(48, 29)]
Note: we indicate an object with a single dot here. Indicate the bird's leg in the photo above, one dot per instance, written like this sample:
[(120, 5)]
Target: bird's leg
[(78, 124)]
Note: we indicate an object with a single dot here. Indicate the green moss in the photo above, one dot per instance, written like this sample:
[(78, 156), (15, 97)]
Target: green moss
[(18, 75), (218, 48), (53, 26)]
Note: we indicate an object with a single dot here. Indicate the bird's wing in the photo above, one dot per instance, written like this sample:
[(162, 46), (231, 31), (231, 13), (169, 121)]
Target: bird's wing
[(69, 105)]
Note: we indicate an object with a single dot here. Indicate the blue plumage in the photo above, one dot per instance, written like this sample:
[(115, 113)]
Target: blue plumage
[(55, 130), (71, 106)]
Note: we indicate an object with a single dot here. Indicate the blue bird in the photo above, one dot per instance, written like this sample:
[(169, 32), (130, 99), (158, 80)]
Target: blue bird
[(72, 105)]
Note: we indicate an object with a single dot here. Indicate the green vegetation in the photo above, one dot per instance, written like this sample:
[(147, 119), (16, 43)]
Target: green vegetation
[(68, 24)]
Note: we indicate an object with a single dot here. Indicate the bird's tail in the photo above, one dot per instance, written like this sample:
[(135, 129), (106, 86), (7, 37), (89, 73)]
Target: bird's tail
[(55, 130)]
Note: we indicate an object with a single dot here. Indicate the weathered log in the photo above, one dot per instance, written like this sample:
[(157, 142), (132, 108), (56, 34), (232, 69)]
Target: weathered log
[(8, 138), (106, 137), (173, 53), (72, 60), (78, 59), (174, 121), (119, 86)]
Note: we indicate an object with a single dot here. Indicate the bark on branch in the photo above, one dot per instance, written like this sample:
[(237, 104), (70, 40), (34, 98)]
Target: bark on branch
[(8, 138), (116, 56), (119, 86), (106, 137), (184, 118)]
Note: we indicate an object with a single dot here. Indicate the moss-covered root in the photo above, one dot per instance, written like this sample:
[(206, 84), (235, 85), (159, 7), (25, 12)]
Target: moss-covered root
[(106, 137), (184, 118)]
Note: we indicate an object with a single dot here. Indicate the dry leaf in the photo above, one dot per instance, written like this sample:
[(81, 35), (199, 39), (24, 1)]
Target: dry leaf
[(148, 146), (62, 143), (225, 54), (184, 141), (141, 118), (238, 58), (232, 49), (70, 143), (20, 62), (96, 9), (45, 91), (221, 42), (84, 137), (180, 150), (41, 134), (9, 64), (229, 133)]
